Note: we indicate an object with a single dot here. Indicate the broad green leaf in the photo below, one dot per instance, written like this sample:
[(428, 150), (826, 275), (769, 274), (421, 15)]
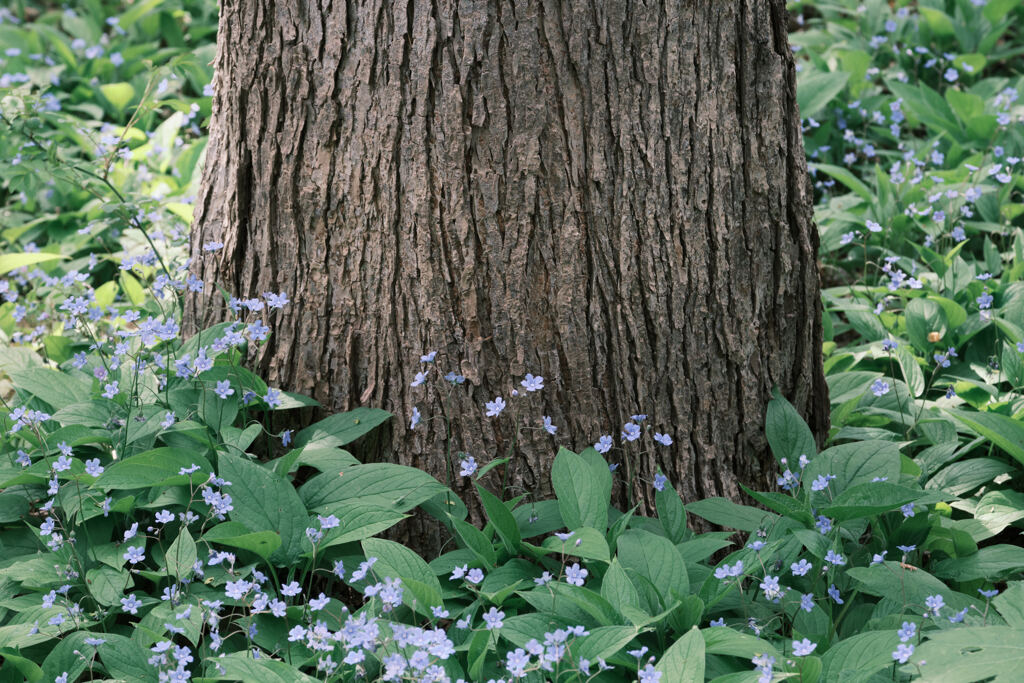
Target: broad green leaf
[(869, 499), (108, 585), (343, 428), (912, 373), (501, 518), (726, 513), (239, 666), (859, 657), (657, 559), (788, 434), (158, 467), (1003, 431), (975, 653), (785, 505), (397, 561), (9, 262), (618, 589), (475, 540), (906, 586), (992, 562), (671, 513), (264, 501), (683, 662), (237, 535), (925, 317), (1010, 604), (65, 657), (125, 659), (397, 487), (579, 491), (13, 506), (181, 555), (721, 640), (119, 95), (855, 463), (603, 642), (56, 388), (585, 542), (815, 89), (851, 181)]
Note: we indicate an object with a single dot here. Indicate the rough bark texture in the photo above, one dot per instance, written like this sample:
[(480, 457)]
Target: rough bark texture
[(611, 194)]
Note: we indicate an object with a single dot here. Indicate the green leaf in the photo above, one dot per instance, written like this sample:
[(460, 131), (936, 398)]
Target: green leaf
[(64, 657), (107, 585), (397, 561), (158, 467), (788, 434), (119, 95), (1001, 430), (618, 589), (239, 666), (502, 518), (858, 657), (264, 501), (9, 262), (785, 505), (855, 184), (585, 542), (726, 513), (912, 373), (905, 586), (991, 562), (237, 535), (683, 662), (126, 659), (343, 428), (867, 500), (603, 642), (579, 492), (671, 513), (815, 89), (721, 640), (384, 485), (923, 317), (656, 559), (181, 555), (974, 653), (1010, 604), (855, 463), (132, 289), (56, 388), (939, 23), (358, 521), (13, 506), (475, 540)]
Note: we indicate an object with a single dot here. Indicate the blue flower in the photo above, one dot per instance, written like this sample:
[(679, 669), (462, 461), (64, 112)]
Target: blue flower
[(802, 648), (468, 466), (495, 407), (801, 568), (659, 481), (903, 652), (532, 383), (663, 439), (548, 427), (604, 444)]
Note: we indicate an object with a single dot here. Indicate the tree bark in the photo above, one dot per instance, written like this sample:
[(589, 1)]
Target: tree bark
[(609, 194)]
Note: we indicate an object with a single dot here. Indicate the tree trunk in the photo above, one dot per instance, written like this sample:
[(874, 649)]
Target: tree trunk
[(612, 195)]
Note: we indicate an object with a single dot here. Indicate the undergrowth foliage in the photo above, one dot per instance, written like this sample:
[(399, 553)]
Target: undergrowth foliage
[(152, 526)]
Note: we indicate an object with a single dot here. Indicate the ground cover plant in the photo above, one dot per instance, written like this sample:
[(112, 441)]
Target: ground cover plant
[(159, 520)]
